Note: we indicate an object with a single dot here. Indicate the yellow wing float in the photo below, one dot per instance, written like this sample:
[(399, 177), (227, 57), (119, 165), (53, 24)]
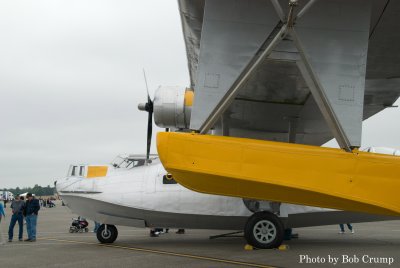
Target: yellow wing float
[(290, 173)]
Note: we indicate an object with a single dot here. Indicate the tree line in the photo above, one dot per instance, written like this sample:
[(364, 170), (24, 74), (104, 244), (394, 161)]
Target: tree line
[(36, 190)]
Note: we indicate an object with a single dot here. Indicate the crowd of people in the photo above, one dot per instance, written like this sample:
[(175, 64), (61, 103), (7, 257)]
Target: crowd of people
[(46, 202), (22, 210)]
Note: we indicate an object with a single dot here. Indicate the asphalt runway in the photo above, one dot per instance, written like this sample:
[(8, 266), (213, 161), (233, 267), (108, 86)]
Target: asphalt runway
[(373, 245)]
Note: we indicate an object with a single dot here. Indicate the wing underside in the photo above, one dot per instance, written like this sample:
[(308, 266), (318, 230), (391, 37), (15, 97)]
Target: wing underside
[(276, 101)]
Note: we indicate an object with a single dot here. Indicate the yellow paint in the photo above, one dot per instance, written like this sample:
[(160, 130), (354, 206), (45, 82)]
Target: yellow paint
[(283, 172), (189, 95), (97, 171), (248, 247), (283, 247)]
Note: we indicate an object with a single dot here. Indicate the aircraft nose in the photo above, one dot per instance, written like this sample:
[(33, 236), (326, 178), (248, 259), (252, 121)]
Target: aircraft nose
[(58, 184), (64, 184)]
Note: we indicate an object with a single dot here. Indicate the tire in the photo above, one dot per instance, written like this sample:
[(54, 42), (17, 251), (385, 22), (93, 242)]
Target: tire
[(264, 230), (86, 230), (71, 230), (107, 237)]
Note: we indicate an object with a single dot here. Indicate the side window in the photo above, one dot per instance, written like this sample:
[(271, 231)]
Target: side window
[(73, 171), (82, 171), (168, 179)]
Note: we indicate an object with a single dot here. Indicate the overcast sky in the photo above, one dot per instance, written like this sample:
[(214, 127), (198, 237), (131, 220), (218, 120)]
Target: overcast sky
[(71, 78)]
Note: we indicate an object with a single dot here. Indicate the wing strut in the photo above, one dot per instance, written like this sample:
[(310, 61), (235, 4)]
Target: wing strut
[(320, 96), (227, 100), (335, 77)]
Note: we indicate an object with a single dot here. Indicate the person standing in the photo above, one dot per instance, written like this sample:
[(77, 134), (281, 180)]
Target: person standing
[(17, 207), (2, 215), (32, 208), (96, 226), (348, 226)]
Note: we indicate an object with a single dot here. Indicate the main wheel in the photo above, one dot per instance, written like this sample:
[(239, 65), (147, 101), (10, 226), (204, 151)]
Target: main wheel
[(264, 230), (107, 235)]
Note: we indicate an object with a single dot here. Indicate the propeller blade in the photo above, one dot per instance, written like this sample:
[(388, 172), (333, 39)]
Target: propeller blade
[(148, 107), (147, 87), (149, 130)]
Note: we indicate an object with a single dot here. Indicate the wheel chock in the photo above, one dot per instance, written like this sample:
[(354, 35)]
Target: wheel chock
[(283, 247), (248, 247)]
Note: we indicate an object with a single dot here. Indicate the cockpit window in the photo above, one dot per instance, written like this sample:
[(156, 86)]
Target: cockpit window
[(126, 162)]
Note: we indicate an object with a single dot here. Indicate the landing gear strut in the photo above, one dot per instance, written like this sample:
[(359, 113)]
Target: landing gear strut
[(107, 234), (264, 230)]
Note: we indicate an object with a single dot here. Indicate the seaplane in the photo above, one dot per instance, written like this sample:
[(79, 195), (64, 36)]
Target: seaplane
[(137, 191), (270, 82)]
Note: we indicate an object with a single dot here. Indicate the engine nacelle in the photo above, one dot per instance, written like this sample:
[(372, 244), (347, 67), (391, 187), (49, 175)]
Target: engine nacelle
[(172, 107)]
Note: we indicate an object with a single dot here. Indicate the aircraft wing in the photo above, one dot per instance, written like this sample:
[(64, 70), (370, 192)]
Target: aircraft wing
[(276, 100)]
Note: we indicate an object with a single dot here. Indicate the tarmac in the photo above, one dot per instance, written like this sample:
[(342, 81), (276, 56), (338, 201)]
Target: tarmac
[(373, 245)]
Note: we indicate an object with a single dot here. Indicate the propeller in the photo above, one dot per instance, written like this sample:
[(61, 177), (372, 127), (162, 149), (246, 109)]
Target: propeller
[(148, 107)]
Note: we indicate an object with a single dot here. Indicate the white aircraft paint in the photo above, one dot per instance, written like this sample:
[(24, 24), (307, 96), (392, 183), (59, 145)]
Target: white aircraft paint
[(137, 197)]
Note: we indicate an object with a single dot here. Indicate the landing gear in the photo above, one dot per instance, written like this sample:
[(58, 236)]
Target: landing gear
[(264, 230), (107, 234)]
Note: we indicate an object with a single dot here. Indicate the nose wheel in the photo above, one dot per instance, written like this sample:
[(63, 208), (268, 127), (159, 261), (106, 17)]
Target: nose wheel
[(264, 230), (107, 234)]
